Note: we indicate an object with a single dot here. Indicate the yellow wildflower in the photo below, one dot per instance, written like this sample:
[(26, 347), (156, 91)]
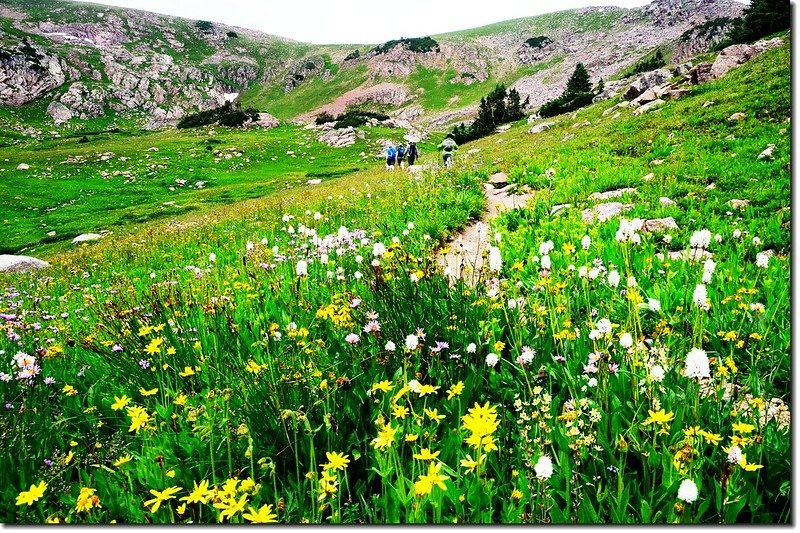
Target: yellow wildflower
[(426, 455), (383, 386), (336, 461), (32, 494), (161, 497), (263, 516), (87, 500), (455, 390), (120, 402)]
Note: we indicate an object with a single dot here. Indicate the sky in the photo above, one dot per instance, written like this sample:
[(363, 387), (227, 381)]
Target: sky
[(358, 21)]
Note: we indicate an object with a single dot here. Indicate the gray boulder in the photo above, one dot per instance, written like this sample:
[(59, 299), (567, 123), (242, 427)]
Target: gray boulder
[(86, 238), (647, 81), (20, 263), (59, 112)]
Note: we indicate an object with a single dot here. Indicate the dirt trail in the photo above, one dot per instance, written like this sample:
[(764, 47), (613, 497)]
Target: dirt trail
[(465, 257)]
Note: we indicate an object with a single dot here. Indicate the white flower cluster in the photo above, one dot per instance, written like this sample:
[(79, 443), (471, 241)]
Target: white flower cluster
[(700, 239), (708, 270), (628, 230), (697, 364)]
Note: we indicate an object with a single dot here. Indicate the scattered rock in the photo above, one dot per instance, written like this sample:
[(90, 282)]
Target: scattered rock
[(86, 237), (473, 151), (648, 177), (539, 128), (339, 138), (708, 103), (20, 263), (767, 154), (736, 117), (612, 194), (699, 74), (666, 201), (315, 181), (659, 224), (499, 180), (738, 204), (655, 104), (604, 212), (503, 128), (23, 166), (558, 208)]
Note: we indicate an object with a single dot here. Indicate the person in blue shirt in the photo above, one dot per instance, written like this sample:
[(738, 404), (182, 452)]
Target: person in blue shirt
[(391, 156)]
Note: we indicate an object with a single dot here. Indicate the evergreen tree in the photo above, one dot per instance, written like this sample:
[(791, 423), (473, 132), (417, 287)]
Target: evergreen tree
[(579, 81), (760, 18)]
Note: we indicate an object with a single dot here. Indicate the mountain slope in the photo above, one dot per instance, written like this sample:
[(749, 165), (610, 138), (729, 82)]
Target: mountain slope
[(85, 61)]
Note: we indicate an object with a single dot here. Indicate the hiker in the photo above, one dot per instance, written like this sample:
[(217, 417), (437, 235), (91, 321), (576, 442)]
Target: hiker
[(401, 155), (391, 155), (448, 146), (412, 153)]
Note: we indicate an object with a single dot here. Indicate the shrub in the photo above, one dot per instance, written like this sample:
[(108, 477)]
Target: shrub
[(646, 64), (324, 118), (355, 54), (538, 42), (417, 45), (232, 35), (204, 26), (357, 117), (228, 115)]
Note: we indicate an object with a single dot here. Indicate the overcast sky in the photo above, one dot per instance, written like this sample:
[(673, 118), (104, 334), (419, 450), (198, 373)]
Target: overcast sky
[(359, 21)]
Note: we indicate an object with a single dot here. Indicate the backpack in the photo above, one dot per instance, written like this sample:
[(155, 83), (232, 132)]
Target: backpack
[(412, 150), (401, 151), (391, 152)]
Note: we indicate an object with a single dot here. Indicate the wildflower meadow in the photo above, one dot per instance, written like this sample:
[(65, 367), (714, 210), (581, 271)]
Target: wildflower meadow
[(306, 358)]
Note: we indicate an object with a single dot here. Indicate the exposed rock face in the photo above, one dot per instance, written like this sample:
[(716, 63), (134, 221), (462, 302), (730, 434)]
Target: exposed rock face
[(27, 72), (20, 263)]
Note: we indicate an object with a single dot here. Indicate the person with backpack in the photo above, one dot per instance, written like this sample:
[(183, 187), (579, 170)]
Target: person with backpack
[(412, 153), (448, 146), (401, 155), (391, 156)]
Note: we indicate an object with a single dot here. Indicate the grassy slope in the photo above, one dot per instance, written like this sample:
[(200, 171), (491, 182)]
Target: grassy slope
[(77, 198), (693, 142)]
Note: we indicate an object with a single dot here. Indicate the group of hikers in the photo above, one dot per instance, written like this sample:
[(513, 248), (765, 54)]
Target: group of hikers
[(397, 155)]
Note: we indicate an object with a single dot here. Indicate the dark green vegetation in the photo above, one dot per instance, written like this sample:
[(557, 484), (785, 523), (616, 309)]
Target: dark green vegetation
[(760, 18), (500, 106), (577, 94), (229, 115), (418, 45), (538, 42), (646, 64), (351, 118)]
